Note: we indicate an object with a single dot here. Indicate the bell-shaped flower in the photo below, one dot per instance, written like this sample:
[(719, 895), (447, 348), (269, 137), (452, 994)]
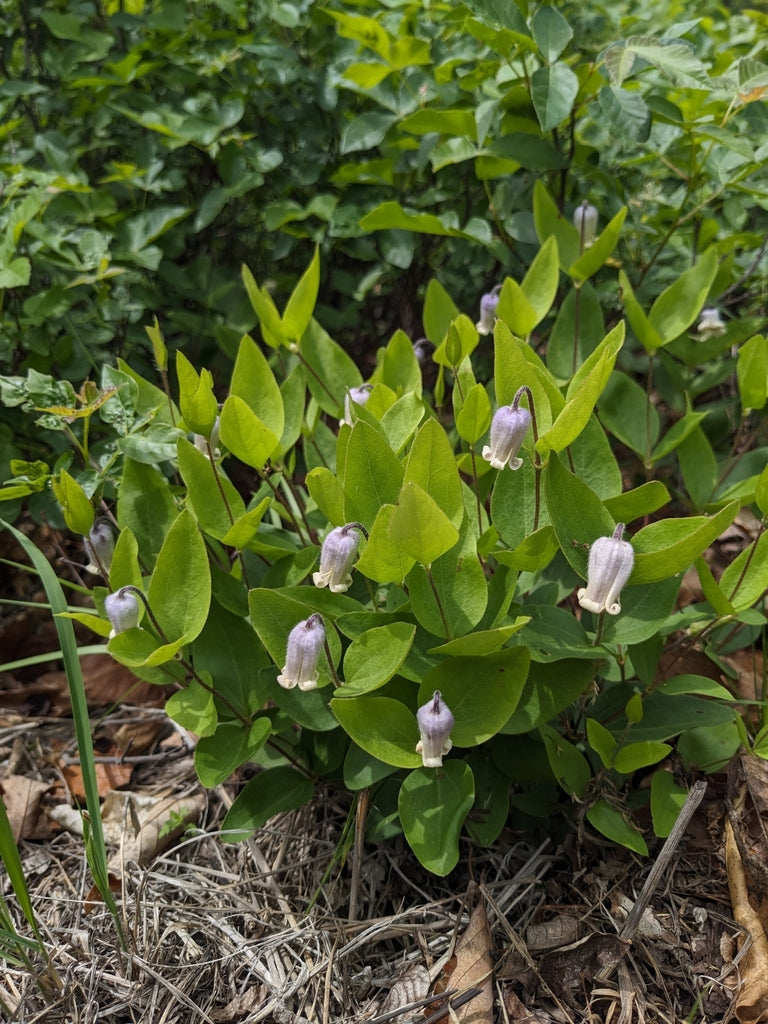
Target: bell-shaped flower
[(336, 557), (508, 429), (202, 443), (122, 610), (435, 722), (710, 324), (488, 304), (585, 222), (99, 547), (305, 642), (360, 396), (608, 569)]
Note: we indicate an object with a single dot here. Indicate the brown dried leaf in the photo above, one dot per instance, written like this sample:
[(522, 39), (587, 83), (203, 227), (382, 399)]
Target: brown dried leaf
[(108, 776), (560, 931), (472, 968), (411, 986), (22, 797), (146, 825), (241, 1006)]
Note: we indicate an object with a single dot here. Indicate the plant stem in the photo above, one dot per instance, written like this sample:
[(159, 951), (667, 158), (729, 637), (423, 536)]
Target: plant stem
[(599, 630), (440, 608)]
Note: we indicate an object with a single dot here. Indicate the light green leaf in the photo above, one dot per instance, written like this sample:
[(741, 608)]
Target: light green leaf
[(269, 793), (382, 726), (301, 304), (254, 382), (678, 306), (77, 509), (608, 820), (372, 476), (193, 708), (672, 545), (420, 527), (432, 466), (432, 805), (245, 435), (374, 657), (180, 588)]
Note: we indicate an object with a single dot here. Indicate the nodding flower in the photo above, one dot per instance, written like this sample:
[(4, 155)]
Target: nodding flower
[(488, 304), (710, 324), (608, 569), (435, 722), (122, 610), (585, 222), (360, 396), (305, 642), (336, 557), (508, 429), (202, 443), (99, 547)]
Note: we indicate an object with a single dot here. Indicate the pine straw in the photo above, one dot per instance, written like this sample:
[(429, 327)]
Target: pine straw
[(259, 930)]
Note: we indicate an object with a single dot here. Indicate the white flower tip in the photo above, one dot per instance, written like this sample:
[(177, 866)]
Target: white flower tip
[(308, 684), (285, 682), (515, 463), (481, 328), (320, 579), (613, 609)]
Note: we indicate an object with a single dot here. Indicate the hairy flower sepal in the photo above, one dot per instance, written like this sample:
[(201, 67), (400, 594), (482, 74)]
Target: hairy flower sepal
[(509, 426), (305, 644), (435, 722), (336, 557), (122, 610), (608, 569)]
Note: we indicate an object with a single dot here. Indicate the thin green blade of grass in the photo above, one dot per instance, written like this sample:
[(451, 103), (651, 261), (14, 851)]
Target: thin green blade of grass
[(71, 656)]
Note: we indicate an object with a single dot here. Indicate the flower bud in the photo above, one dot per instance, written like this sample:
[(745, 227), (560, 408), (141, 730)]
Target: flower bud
[(608, 569), (99, 547), (710, 324), (585, 222), (435, 722), (508, 429), (359, 395), (488, 304), (122, 610), (305, 642), (336, 557)]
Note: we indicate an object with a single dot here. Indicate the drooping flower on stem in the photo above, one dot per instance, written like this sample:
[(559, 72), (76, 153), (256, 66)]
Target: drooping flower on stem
[(435, 722), (336, 557), (360, 396), (305, 642), (710, 324), (488, 304), (608, 569), (122, 609), (99, 546), (509, 426), (585, 221)]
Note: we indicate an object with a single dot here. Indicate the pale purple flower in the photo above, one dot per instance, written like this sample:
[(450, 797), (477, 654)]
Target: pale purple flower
[(710, 324), (305, 642), (360, 396), (122, 610), (202, 443), (585, 222), (99, 547), (608, 569), (508, 429), (336, 557), (435, 722), (488, 304)]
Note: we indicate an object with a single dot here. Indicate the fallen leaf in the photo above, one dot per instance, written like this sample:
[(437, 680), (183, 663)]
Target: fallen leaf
[(469, 969), (751, 1003), (409, 987), (22, 797), (144, 825)]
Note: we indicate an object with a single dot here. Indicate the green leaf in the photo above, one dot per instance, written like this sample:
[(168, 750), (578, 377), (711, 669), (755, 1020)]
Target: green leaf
[(420, 527), (146, 506), (196, 398), (301, 304), (608, 820), (244, 530), (677, 434), (752, 373), (602, 741), (384, 727), (271, 323), (549, 222), (245, 435), (482, 692), (698, 466), (77, 509), (374, 657), (515, 309), (745, 580), (540, 283), (254, 382), (626, 112), (445, 122), (553, 92), (672, 545), (678, 306), (432, 805), (483, 641), (373, 475), (439, 312), (667, 799), (644, 330), (327, 493), (550, 687), (330, 370), (193, 708), (269, 793), (577, 514), (569, 766), (398, 367), (551, 32), (594, 257), (474, 417), (180, 588), (633, 756), (641, 501), (205, 495), (432, 466), (383, 560), (626, 411)]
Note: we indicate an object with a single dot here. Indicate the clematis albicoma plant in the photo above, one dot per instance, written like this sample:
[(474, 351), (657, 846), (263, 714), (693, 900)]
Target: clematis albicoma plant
[(336, 557), (609, 567), (305, 644), (435, 722)]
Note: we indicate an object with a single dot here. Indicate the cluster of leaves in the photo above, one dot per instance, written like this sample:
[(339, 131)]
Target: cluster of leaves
[(466, 579)]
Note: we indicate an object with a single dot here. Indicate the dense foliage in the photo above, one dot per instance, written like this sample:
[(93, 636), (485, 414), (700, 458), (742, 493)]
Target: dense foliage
[(250, 201)]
